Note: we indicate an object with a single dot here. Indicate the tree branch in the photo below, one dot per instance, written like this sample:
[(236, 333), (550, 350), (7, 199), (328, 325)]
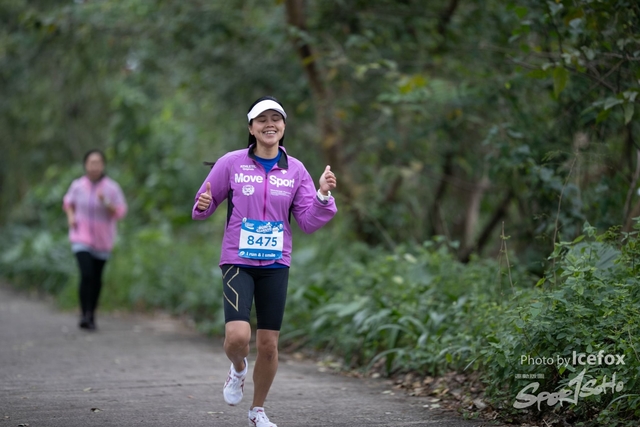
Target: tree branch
[(434, 212), (626, 213), (483, 239), (296, 18), (331, 139), (322, 97), (446, 15)]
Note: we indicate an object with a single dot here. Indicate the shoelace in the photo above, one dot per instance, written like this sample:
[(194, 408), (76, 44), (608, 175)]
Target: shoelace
[(233, 380)]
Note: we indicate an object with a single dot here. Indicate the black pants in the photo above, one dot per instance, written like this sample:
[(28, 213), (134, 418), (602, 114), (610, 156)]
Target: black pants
[(90, 281)]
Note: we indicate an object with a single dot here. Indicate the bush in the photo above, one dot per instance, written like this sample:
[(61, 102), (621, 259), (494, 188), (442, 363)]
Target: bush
[(178, 275), (587, 303), (36, 260), (418, 309)]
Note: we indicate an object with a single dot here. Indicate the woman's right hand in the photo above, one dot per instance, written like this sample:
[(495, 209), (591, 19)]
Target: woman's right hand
[(71, 220), (205, 199)]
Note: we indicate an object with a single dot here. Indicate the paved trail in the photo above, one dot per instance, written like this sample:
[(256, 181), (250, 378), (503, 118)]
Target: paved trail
[(140, 372)]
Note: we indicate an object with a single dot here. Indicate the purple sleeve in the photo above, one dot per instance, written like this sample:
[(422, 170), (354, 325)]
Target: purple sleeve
[(310, 213), (219, 179)]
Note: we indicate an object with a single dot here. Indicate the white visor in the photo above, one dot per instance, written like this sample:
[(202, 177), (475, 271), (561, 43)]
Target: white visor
[(263, 106)]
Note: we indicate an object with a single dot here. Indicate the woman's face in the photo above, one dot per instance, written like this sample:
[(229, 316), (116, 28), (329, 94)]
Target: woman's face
[(268, 128), (94, 166)]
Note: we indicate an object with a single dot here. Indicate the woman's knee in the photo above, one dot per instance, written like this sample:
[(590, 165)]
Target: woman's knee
[(267, 344), (237, 334)]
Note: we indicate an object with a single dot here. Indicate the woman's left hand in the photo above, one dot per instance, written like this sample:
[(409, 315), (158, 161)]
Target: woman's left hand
[(327, 181)]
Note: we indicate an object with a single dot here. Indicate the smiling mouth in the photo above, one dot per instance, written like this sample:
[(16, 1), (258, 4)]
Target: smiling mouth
[(270, 132)]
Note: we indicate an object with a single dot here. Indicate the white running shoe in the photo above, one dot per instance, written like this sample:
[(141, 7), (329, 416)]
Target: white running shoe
[(258, 418), (234, 386)]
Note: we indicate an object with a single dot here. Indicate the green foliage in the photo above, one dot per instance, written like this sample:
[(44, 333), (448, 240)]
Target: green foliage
[(162, 271), (450, 95), (35, 260), (417, 309), (587, 302)]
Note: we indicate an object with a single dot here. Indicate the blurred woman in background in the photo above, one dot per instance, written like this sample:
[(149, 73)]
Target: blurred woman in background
[(94, 203)]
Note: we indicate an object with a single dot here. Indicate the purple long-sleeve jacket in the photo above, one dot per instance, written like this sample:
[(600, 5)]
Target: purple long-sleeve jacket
[(256, 200)]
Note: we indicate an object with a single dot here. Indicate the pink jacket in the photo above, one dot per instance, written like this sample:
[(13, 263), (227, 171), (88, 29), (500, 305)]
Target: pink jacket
[(95, 226)]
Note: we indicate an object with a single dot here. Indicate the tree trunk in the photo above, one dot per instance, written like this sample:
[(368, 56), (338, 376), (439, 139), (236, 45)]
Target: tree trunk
[(499, 213), (446, 15), (322, 97), (627, 213), (331, 140), (435, 218), (473, 212)]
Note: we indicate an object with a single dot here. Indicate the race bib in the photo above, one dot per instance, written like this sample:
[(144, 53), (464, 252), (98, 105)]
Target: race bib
[(261, 239)]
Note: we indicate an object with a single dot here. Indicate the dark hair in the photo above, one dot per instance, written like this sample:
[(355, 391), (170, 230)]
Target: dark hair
[(94, 151), (98, 152), (252, 139)]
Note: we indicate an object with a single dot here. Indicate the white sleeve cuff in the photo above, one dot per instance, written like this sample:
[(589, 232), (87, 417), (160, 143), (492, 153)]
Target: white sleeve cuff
[(322, 197)]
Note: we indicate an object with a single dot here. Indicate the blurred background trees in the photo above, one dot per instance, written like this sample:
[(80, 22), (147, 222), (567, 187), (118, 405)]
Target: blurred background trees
[(441, 120)]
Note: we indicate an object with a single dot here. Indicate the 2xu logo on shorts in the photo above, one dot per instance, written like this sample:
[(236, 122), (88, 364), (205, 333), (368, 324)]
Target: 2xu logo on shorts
[(273, 180)]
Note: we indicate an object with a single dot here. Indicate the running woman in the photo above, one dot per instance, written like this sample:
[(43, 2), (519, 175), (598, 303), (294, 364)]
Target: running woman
[(263, 186), (94, 203)]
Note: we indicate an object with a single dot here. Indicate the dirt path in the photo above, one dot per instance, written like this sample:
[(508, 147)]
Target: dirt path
[(140, 372)]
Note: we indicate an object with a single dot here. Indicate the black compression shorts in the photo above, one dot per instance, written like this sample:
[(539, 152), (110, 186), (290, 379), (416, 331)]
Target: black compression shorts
[(268, 286)]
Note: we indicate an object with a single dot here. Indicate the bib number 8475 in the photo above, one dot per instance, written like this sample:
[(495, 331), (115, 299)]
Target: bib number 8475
[(264, 241)]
